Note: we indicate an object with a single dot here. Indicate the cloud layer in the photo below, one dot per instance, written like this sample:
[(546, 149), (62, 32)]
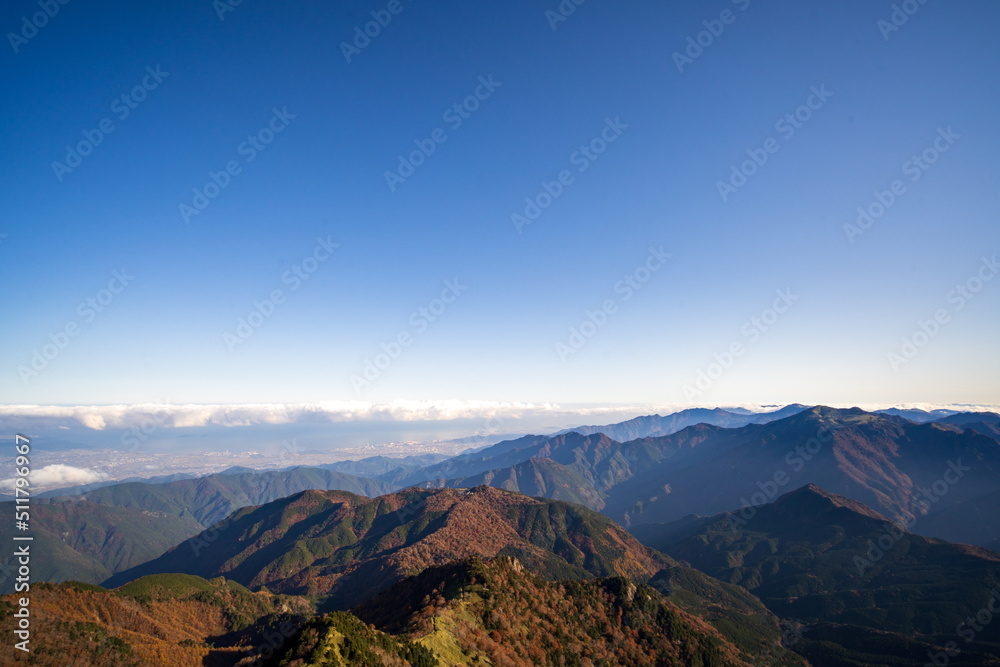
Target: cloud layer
[(167, 415), (180, 416)]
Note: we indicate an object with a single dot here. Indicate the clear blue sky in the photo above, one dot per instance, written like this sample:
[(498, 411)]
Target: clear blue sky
[(323, 175)]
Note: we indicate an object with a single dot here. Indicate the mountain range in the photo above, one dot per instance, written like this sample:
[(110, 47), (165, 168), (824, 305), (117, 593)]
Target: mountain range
[(887, 462), (833, 536), (453, 577), (654, 425), (882, 460)]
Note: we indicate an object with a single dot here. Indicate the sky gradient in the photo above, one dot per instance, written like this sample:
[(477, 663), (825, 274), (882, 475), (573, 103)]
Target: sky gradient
[(594, 120)]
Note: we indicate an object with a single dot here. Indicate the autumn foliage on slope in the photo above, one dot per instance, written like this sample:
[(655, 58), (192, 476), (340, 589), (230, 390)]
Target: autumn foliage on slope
[(348, 547), (472, 612), (174, 620)]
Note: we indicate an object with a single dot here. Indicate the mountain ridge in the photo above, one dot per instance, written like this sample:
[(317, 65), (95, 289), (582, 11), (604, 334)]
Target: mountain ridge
[(336, 544), (847, 576)]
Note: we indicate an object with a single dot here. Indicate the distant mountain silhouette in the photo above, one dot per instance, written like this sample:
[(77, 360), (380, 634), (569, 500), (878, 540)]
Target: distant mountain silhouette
[(987, 423), (883, 461), (917, 415), (655, 425)]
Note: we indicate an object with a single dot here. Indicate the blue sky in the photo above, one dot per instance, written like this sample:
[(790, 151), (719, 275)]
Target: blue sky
[(520, 292)]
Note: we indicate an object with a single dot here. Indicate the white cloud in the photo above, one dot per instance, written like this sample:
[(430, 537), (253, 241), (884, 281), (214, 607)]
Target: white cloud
[(192, 415), (56, 476), (95, 422)]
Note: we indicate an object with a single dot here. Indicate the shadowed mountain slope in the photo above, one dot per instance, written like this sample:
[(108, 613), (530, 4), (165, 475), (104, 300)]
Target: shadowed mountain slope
[(859, 585), (347, 547), (88, 542)]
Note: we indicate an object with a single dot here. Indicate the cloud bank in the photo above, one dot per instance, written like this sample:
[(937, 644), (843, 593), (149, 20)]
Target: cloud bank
[(166, 415), (100, 417)]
